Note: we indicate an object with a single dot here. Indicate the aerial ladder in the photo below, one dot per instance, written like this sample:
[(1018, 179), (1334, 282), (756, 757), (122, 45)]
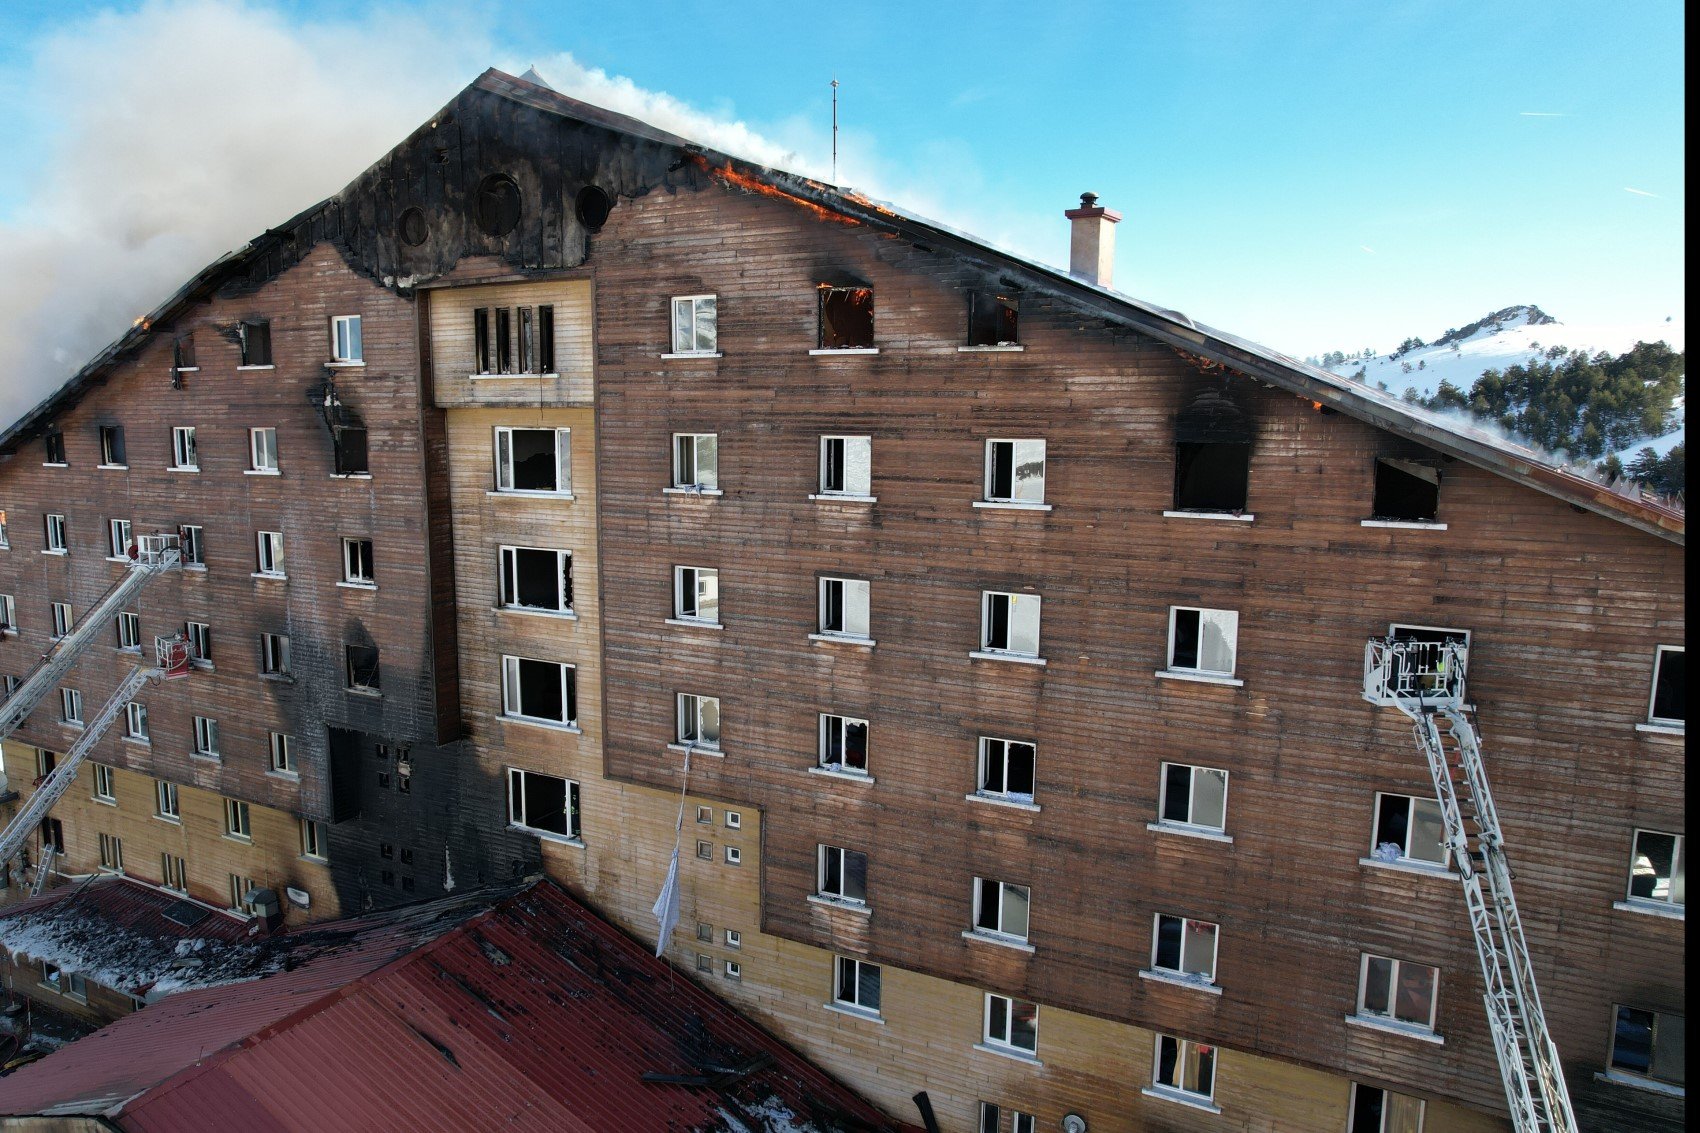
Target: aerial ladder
[(1424, 679), (154, 554)]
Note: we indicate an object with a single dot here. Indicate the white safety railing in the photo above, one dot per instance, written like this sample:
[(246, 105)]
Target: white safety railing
[(1412, 671)]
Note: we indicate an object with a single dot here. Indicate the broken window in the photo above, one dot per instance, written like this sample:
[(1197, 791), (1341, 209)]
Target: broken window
[(262, 450), (846, 318), (846, 467), (254, 342), (1375, 1110), (699, 721), (1669, 705), (1658, 871), (112, 446), (184, 455), (1006, 769), (1399, 991), (1650, 1045), (363, 668), (345, 339), (843, 744), (481, 341), (1184, 947), (1203, 641), (533, 460), (696, 594), (351, 459), (55, 442), (183, 353), (1001, 909), (52, 835), (1182, 1066), (546, 339), (1212, 455), (857, 985), (274, 654), (696, 461), (1009, 623), (1012, 1024), (543, 803), (1015, 471), (695, 324), (513, 340), (1405, 491), (843, 875), (539, 690), (991, 319), (357, 567), (504, 341), (1193, 796), (844, 607), (534, 579)]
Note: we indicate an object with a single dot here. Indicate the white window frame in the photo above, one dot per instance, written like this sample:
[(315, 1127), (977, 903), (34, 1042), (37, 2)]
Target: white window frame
[(503, 449), (831, 723), (57, 541), (823, 854), (516, 806), (167, 803), (64, 621), (507, 582), (262, 451), (347, 345), (191, 539), (173, 872), (855, 605), (185, 455), (274, 654), (240, 887), (1015, 497), (269, 554), (119, 538), (848, 970), (8, 615), (313, 837), (136, 722), (103, 783), (206, 737), (1206, 617), (1391, 1019), (1405, 857), (199, 636), (1000, 929), (1386, 1096), (991, 1120), (692, 308), (129, 624), (1653, 693), (71, 707), (1188, 970), (858, 482), (985, 758), (111, 853), (1677, 884), (734, 938), (512, 709), (355, 572), (688, 594), (1176, 1090), (1015, 602), (688, 721), (1006, 1041), (691, 479), (281, 753), (238, 820), (1191, 821)]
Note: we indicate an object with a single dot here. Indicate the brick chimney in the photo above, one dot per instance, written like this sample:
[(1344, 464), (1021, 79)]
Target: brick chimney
[(1092, 241)]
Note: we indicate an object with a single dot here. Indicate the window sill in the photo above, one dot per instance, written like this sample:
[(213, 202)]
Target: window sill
[(853, 776), (113, 467), (74, 725), (267, 574), (843, 639), (267, 366), (368, 693), (351, 476), (1186, 830), (183, 468), (138, 741), (206, 757), (1199, 678), (279, 678), (347, 364), (1009, 1052), (691, 491), (860, 908), (346, 585), (1181, 1097), (1017, 658), (818, 353), (117, 559), (1677, 730), (103, 800), (992, 348), (530, 494), (682, 355), (244, 839), (312, 859), (186, 369), (697, 749), (1404, 524), (56, 551), (132, 650), (842, 498), (1661, 909), (201, 664), (1424, 869), (861, 1013), (262, 472), (1392, 1027), (694, 623), (169, 819), (548, 835), (195, 568), (1158, 975), (550, 725), (1009, 942), (1012, 505), (54, 464), (1222, 516), (1634, 1083), (285, 776), (996, 800), (505, 377), (538, 612)]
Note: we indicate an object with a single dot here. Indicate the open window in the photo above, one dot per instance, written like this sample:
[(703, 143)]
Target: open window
[(843, 744), (543, 804), (55, 454), (696, 462), (1006, 770), (699, 721), (844, 607), (1009, 624), (843, 875), (350, 443), (112, 453), (254, 341), (1212, 456), (1669, 707), (1181, 946), (1406, 491), (1001, 909), (534, 460), (846, 467), (544, 691), (1408, 830), (1375, 1110), (363, 668), (537, 579), (991, 319), (1015, 471), (696, 594), (846, 318), (1203, 641), (183, 353), (1650, 1046)]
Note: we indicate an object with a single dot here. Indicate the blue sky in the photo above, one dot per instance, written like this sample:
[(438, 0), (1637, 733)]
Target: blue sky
[(1312, 176)]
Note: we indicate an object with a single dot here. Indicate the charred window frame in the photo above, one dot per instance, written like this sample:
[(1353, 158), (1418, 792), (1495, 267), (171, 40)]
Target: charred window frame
[(846, 318), (352, 458), (254, 342), (362, 667), (112, 454), (55, 446), (513, 340), (543, 804), (183, 353), (1406, 491), (992, 319), (504, 341), (1212, 456)]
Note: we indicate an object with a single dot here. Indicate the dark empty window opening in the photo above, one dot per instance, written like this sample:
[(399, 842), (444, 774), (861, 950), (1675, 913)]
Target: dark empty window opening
[(481, 339), (543, 802), (55, 447), (351, 457), (112, 445), (527, 342), (254, 337), (504, 341), (537, 579), (1212, 455), (183, 353), (513, 340), (496, 206), (592, 207), (1669, 702), (541, 690), (411, 227), (534, 466), (546, 339), (846, 318), (991, 320), (1405, 492), (363, 667)]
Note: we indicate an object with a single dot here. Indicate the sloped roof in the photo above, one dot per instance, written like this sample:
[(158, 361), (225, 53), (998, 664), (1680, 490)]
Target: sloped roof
[(534, 1014), (1214, 347)]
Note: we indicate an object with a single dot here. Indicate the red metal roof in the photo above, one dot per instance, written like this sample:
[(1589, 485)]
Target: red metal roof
[(535, 1015)]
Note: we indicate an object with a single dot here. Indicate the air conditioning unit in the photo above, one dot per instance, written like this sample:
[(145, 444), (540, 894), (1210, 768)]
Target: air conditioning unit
[(300, 898)]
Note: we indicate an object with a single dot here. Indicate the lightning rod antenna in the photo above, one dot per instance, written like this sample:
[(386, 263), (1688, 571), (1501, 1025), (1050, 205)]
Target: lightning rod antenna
[(835, 129)]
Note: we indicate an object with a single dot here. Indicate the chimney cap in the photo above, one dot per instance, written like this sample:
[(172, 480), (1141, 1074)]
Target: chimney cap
[(1090, 209), (1087, 200)]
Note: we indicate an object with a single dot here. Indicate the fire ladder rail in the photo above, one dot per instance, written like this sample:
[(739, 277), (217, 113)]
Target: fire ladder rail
[(1425, 681), (156, 554)]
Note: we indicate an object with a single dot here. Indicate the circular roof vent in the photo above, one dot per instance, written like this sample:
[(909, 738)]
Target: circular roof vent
[(495, 209), (593, 207), (411, 227)]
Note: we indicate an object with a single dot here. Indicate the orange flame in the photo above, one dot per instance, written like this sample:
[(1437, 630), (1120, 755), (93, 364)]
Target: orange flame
[(731, 176)]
